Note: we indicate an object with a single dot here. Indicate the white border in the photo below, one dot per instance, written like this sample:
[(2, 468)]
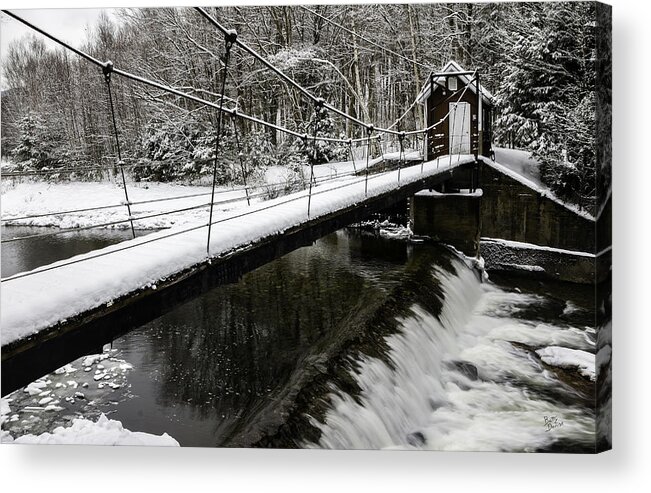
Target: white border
[(625, 469)]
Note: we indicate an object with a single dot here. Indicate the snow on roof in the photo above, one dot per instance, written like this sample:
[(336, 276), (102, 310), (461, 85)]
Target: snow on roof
[(452, 66)]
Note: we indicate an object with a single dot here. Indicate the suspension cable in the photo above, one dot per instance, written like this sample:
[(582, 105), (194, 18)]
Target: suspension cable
[(143, 241), (383, 48), (352, 154), (434, 125), (101, 254), (411, 107), (146, 241), (47, 35), (304, 91), (318, 107), (102, 225), (107, 69), (56, 171), (231, 36), (349, 141), (61, 213), (369, 131), (379, 144), (401, 155), (241, 159), (268, 186), (205, 102)]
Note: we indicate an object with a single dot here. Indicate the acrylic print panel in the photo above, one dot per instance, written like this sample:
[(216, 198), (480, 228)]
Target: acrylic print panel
[(354, 227)]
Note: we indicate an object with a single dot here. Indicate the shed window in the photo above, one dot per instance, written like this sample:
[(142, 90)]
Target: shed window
[(452, 83)]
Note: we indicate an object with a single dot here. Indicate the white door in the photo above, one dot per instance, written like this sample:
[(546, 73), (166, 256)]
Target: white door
[(459, 128)]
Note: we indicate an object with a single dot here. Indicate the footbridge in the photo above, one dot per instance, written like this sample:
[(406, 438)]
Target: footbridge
[(56, 313)]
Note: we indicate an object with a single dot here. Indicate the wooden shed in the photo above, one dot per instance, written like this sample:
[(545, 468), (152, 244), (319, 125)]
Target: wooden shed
[(468, 128)]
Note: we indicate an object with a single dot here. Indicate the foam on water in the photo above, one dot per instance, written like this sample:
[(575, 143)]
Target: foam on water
[(428, 394)]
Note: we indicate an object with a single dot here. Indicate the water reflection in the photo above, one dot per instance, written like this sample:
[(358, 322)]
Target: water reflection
[(221, 370), (24, 255)]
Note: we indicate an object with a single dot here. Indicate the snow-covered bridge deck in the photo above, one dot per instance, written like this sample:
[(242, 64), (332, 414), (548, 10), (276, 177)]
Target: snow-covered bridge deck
[(64, 310)]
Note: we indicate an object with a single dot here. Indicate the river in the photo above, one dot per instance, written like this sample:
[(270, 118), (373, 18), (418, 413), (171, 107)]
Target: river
[(358, 341)]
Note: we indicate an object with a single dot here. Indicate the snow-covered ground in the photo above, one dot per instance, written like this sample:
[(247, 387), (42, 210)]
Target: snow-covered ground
[(519, 161), (104, 431), (40, 198), (34, 302), (53, 201)]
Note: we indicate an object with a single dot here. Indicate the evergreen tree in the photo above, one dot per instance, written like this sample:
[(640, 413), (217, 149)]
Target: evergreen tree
[(547, 98), (38, 147), (321, 152)]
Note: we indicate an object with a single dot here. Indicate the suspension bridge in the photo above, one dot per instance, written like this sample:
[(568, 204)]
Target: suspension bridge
[(58, 312)]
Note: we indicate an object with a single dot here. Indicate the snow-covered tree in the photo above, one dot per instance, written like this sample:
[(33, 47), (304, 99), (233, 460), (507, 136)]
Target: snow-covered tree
[(38, 146), (321, 151), (547, 95)]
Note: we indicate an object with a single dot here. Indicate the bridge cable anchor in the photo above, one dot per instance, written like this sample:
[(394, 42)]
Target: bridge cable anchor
[(230, 38), (107, 70)]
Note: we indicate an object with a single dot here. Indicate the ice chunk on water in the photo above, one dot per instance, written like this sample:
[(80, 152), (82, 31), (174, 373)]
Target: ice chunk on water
[(103, 432), (569, 358), (36, 388)]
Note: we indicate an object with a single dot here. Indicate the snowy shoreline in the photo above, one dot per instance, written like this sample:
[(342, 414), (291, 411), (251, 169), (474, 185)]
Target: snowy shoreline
[(82, 431), (41, 203)]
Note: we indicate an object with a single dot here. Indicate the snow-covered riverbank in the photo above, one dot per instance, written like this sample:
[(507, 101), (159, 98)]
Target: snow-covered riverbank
[(104, 431), (68, 406), (50, 201), (60, 204)]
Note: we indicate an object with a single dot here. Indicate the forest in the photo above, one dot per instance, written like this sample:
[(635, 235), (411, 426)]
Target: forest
[(540, 61)]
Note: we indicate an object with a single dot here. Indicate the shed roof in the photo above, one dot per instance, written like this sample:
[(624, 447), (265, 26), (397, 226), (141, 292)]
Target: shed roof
[(453, 66)]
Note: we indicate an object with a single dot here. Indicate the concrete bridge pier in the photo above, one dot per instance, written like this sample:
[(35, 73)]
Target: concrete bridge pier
[(450, 212), (453, 218)]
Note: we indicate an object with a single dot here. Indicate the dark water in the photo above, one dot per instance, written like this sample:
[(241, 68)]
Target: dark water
[(221, 370), (28, 254), (246, 364)]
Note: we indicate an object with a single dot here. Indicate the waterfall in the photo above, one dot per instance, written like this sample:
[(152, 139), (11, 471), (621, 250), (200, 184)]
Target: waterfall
[(466, 378)]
